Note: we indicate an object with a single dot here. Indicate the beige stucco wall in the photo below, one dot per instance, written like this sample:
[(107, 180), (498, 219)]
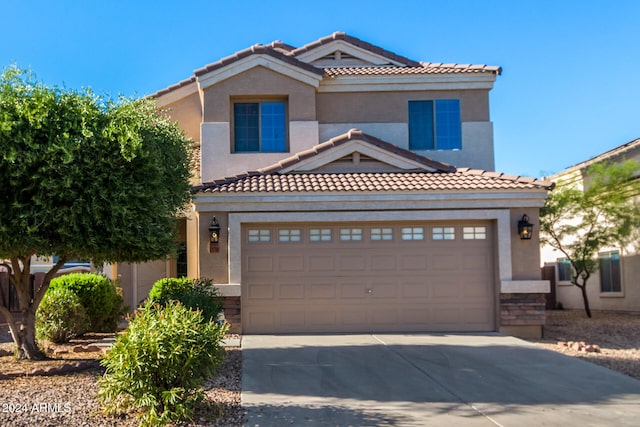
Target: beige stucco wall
[(525, 254), (259, 82), (213, 265), (477, 141), (217, 160), (188, 113), (390, 107)]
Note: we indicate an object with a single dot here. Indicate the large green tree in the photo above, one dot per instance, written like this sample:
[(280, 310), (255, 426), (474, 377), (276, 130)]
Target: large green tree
[(82, 176), (586, 214)]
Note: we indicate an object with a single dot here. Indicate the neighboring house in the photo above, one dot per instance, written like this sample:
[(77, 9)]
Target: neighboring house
[(355, 192), (614, 286)]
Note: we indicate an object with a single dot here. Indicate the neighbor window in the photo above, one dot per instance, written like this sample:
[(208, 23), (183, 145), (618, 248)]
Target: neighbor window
[(610, 271), (564, 270), (435, 125), (260, 127)]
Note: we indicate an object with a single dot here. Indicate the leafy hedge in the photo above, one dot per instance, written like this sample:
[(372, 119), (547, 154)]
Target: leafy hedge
[(60, 316), (100, 297), (199, 294)]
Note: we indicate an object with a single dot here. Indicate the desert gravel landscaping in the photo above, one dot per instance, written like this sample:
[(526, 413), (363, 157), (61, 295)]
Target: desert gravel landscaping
[(69, 399), (616, 335)]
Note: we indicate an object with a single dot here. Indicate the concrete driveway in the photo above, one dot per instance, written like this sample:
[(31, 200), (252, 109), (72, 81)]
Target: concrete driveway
[(427, 380)]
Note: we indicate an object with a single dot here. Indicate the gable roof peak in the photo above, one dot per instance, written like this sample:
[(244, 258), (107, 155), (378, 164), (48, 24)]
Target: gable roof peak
[(340, 35)]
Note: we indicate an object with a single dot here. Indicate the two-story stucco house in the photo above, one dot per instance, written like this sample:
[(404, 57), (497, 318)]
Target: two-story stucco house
[(355, 191), (615, 285)]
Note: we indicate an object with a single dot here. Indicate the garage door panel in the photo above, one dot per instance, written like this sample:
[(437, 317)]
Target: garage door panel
[(383, 263), (415, 316), (474, 262), (260, 264), (355, 317), (261, 291), (370, 284), (322, 291), (323, 318), (292, 319), (384, 290), (444, 262), (352, 263), (385, 317), (321, 263), (413, 262), (291, 263), (415, 289), (447, 289), (352, 290), (291, 291)]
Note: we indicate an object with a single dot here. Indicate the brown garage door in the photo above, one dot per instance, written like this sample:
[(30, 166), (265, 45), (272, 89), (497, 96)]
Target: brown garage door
[(373, 277)]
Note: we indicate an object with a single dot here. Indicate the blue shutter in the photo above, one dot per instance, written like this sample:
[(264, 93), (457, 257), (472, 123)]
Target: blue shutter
[(448, 128), (421, 125)]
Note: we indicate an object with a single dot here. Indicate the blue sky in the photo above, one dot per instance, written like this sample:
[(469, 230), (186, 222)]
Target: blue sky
[(570, 87)]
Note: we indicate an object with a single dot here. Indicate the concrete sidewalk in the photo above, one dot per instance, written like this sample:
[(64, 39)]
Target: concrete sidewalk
[(435, 380)]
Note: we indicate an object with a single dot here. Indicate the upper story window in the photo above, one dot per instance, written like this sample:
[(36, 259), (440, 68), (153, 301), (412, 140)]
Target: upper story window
[(260, 127), (610, 272), (435, 125)]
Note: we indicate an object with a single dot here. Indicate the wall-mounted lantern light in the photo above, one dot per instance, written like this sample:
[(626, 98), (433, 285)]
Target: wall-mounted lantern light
[(525, 228), (214, 231)]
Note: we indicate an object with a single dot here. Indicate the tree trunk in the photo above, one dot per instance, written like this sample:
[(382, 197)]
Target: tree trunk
[(25, 338), (28, 347), (585, 299)]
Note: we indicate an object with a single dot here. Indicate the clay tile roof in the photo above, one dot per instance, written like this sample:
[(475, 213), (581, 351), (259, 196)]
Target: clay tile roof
[(339, 35), (423, 68), (178, 85), (443, 177), (459, 180), (277, 52)]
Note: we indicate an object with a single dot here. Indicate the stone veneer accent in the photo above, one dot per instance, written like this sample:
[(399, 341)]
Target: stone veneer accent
[(522, 309), (231, 307)]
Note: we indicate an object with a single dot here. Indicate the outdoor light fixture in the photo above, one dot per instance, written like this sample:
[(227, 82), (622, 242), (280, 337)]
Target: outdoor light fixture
[(214, 231), (525, 228)]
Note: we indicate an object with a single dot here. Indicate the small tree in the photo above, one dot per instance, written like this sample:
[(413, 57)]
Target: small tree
[(579, 222), (82, 177)]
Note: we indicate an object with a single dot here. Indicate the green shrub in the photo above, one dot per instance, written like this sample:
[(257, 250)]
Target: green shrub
[(198, 294), (100, 297), (60, 316), (160, 362)]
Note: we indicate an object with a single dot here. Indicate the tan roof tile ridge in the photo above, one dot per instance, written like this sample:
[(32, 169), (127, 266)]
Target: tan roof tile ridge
[(173, 87), (548, 185), (258, 49), (339, 35)]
